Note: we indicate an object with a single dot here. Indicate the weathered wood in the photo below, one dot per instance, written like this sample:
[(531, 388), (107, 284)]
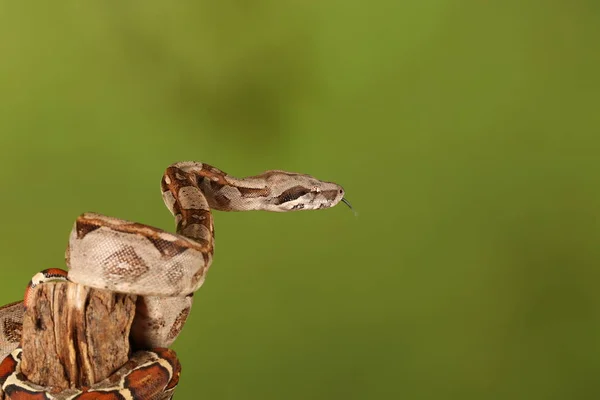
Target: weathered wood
[(75, 336)]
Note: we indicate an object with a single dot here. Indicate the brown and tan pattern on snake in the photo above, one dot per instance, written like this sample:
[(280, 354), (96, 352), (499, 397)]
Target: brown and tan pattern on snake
[(164, 269), (11, 324), (148, 375)]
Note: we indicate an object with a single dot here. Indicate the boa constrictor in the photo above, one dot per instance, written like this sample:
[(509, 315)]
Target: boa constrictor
[(163, 268)]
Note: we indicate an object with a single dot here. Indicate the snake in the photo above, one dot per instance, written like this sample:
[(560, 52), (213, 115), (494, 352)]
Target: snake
[(163, 269)]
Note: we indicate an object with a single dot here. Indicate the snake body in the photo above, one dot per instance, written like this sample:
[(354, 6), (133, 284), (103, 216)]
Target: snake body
[(164, 269)]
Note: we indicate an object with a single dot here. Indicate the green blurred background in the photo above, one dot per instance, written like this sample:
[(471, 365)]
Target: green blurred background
[(465, 134)]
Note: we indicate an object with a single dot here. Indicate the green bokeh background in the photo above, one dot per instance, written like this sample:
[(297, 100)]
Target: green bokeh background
[(465, 134)]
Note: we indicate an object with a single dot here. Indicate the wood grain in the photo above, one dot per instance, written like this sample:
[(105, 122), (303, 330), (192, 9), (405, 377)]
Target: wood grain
[(75, 336)]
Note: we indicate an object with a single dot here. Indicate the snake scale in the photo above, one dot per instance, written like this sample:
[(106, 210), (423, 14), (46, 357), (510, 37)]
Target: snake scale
[(164, 268)]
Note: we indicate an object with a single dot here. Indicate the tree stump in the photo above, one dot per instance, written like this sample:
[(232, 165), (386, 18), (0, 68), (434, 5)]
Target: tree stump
[(75, 336)]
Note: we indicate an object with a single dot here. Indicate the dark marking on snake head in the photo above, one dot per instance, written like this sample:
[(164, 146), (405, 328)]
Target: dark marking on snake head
[(291, 194), (330, 194)]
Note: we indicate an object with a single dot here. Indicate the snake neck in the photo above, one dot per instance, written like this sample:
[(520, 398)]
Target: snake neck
[(185, 200), (198, 188)]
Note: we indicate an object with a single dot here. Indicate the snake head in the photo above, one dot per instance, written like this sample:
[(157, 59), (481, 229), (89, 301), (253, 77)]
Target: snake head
[(290, 191)]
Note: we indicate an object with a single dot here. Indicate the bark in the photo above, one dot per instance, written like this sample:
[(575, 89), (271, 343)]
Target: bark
[(75, 336)]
